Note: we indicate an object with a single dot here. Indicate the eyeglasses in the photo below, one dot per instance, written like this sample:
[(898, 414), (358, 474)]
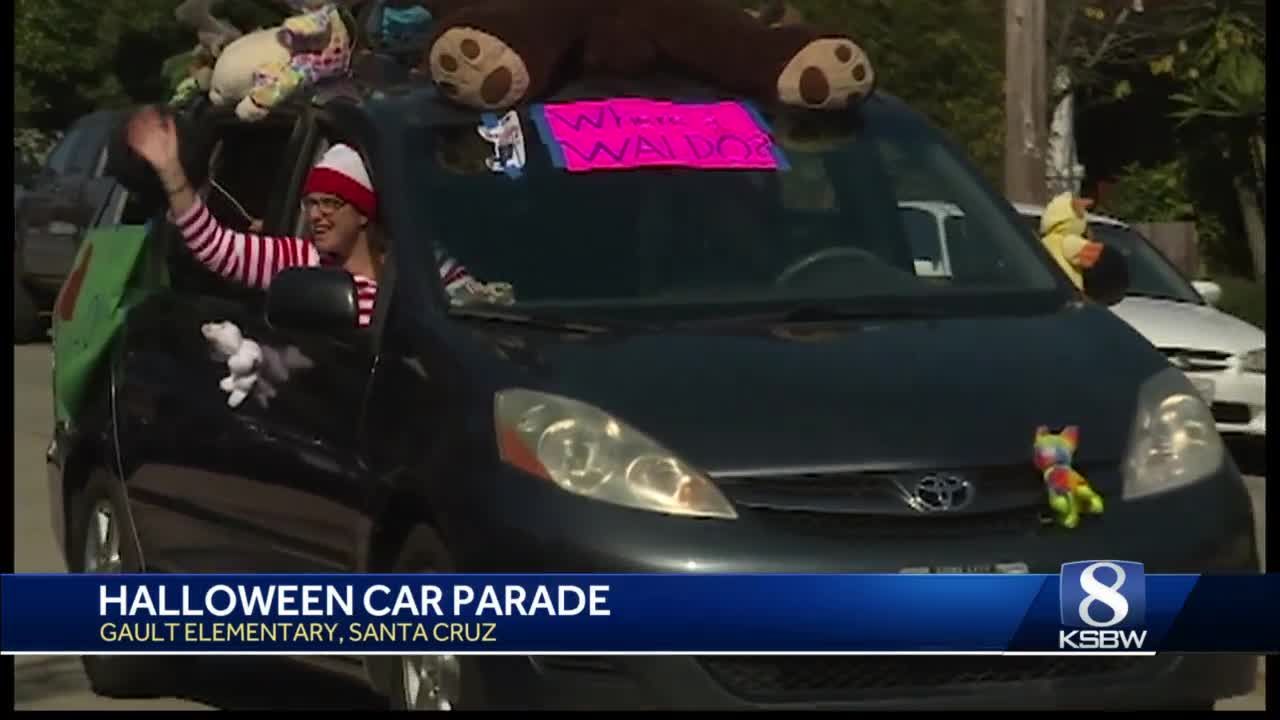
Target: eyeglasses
[(327, 205)]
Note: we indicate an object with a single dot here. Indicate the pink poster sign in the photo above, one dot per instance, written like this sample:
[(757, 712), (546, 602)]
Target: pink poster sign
[(629, 133)]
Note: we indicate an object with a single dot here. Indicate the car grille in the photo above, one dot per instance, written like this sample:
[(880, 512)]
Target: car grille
[(1234, 413), (870, 504), (1019, 521), (1197, 360), (795, 678)]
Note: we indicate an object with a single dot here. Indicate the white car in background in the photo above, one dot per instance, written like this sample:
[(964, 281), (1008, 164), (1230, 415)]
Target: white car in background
[(1224, 356)]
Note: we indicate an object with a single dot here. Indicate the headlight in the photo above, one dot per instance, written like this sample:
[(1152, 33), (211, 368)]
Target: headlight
[(1255, 361), (1174, 441), (587, 452)]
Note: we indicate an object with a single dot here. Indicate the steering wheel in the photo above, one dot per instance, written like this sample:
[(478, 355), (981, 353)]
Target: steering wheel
[(857, 255)]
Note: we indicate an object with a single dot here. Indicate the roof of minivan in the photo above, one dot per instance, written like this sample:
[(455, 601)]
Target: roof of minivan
[(363, 91)]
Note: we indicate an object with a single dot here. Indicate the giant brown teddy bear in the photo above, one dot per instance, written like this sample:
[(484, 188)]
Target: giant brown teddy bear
[(495, 54)]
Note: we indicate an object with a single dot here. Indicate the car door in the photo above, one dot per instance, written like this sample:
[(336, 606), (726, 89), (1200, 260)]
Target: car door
[(272, 484)]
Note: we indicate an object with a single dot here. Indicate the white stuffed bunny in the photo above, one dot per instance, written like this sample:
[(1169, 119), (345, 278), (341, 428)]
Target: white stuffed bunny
[(243, 359)]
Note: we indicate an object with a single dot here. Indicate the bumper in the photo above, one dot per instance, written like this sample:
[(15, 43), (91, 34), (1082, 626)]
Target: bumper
[(545, 530), (1239, 401)]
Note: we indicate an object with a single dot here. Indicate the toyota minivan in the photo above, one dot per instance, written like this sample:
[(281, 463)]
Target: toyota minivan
[(691, 371)]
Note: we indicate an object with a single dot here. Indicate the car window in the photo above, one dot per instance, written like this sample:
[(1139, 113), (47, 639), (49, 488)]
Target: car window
[(830, 228), (1151, 274), (89, 153), (59, 160), (247, 163)]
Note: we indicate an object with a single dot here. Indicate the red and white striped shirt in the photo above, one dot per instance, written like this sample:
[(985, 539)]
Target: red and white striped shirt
[(252, 259)]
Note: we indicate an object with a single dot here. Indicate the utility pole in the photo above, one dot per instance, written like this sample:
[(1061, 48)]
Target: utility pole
[(1026, 100)]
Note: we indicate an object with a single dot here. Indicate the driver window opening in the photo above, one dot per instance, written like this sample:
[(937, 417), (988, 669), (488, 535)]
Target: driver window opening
[(244, 165), (243, 170)]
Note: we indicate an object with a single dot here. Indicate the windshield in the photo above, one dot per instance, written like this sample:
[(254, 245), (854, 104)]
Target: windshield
[(833, 225), (1150, 273)]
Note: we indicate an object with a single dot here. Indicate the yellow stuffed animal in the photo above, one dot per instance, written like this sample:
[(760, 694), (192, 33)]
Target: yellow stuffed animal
[(1064, 229)]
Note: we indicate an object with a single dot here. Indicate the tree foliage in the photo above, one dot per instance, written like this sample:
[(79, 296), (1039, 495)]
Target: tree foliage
[(75, 56), (1099, 41), (945, 59)]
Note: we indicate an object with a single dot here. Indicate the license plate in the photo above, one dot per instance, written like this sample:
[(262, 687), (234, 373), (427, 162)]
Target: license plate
[(1205, 387), (1009, 568)]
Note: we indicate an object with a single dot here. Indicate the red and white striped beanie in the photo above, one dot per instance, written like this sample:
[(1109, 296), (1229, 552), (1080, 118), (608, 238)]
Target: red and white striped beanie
[(341, 172)]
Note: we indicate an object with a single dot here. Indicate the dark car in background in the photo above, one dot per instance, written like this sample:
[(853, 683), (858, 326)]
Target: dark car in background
[(53, 209)]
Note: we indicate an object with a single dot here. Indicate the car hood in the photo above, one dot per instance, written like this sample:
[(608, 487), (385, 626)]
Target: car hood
[(953, 393), (1169, 324)]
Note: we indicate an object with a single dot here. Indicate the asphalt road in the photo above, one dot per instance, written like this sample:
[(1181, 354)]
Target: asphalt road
[(57, 682)]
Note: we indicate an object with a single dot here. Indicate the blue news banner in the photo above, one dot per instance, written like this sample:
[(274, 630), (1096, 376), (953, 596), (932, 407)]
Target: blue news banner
[(1095, 606)]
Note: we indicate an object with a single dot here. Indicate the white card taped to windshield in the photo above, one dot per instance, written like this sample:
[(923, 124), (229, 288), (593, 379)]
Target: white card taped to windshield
[(507, 138)]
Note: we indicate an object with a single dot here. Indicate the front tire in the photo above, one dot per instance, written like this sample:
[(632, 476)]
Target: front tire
[(102, 540), (428, 682)]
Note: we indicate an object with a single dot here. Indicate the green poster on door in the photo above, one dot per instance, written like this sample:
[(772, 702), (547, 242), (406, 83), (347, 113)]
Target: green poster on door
[(112, 272)]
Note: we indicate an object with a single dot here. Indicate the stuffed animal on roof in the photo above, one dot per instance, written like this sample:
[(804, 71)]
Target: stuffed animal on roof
[(495, 54), (199, 73), (214, 34), (264, 68)]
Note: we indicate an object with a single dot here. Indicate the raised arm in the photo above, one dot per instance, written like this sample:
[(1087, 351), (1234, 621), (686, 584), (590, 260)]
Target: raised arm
[(249, 258), (154, 137), (246, 257)]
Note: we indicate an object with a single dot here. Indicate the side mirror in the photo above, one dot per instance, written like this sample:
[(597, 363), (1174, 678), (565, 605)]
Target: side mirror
[(313, 299), (1210, 291), (1107, 282)]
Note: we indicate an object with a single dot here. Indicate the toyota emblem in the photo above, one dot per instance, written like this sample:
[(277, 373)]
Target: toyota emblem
[(940, 493)]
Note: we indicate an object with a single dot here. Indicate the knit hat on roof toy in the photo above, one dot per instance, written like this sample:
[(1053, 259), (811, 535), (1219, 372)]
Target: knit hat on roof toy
[(342, 173)]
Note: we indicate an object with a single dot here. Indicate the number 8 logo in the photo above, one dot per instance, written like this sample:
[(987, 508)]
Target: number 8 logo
[(1096, 591)]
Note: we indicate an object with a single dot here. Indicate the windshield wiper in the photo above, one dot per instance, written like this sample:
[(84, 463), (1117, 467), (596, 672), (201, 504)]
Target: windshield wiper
[(1158, 296), (818, 313), (541, 322)]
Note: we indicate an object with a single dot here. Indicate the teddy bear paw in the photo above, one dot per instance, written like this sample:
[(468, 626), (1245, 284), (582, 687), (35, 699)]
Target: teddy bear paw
[(826, 74), (478, 69)]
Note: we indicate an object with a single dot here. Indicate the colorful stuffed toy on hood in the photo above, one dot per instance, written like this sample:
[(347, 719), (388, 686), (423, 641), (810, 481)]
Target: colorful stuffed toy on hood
[(264, 68), (1064, 229), (1069, 493)]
